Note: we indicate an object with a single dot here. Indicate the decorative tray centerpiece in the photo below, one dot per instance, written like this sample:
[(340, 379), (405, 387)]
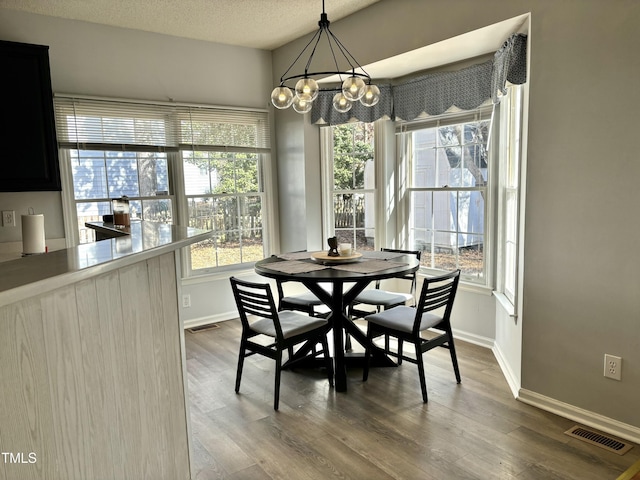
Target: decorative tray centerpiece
[(324, 257)]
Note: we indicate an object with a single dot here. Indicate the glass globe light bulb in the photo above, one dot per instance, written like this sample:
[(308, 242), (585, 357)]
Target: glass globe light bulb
[(307, 88), (353, 88), (341, 103), (302, 105), (371, 96), (282, 97)]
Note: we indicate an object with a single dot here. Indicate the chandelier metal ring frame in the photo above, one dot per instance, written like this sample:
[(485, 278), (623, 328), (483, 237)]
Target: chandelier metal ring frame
[(356, 87)]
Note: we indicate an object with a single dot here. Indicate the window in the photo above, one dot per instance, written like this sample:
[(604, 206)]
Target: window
[(113, 149), (224, 193), (509, 192), (348, 160), (223, 156), (101, 175), (199, 166), (447, 172)]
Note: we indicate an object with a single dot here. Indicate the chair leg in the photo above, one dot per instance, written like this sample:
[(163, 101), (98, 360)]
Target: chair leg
[(241, 356), (400, 344), (367, 354), (454, 357), (327, 358), (423, 382), (276, 389)]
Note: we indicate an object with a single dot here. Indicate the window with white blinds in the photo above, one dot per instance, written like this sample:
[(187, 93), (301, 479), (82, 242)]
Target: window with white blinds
[(215, 129), (94, 124), (223, 163), (200, 164), (128, 126)]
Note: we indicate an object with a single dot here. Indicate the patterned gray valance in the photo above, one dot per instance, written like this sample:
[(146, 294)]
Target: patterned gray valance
[(435, 93), (509, 64)]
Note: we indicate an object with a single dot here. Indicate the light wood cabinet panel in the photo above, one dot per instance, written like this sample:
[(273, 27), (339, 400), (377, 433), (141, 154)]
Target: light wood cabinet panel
[(92, 379), (26, 417), (99, 383), (67, 383)]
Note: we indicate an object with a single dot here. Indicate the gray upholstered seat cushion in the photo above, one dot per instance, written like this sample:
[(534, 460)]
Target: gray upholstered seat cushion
[(303, 299), (292, 323), (402, 318), (382, 297)]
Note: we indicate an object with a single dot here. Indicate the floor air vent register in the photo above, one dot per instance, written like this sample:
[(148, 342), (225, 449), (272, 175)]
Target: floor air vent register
[(203, 328), (598, 439)]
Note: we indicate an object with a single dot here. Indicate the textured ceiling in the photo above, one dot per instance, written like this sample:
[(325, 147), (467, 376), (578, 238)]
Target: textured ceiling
[(265, 24)]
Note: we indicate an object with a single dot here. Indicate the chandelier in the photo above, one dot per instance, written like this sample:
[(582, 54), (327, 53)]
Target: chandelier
[(356, 86)]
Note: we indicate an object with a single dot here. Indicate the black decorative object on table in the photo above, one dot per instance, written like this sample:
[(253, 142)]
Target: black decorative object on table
[(333, 247)]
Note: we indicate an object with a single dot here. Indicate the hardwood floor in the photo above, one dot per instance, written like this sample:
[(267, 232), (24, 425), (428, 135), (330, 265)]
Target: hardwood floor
[(379, 429)]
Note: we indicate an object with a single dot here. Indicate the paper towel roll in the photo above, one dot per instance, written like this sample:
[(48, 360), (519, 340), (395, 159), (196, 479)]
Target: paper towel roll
[(33, 234)]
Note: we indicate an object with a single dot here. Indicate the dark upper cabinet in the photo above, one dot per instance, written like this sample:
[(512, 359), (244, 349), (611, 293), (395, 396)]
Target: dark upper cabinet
[(28, 146)]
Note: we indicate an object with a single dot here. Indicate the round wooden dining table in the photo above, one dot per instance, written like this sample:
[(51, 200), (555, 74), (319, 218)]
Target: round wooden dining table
[(312, 273)]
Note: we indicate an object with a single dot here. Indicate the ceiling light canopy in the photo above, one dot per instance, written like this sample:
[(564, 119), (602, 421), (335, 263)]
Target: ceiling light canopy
[(356, 86)]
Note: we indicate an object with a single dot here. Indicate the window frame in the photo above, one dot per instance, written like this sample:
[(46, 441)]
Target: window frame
[(511, 111), (405, 172), (262, 159), (90, 233), (327, 155), (173, 146)]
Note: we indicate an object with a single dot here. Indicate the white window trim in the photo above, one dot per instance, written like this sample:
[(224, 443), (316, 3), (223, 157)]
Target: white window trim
[(506, 117), (383, 133), (268, 201), (403, 205), (326, 174)]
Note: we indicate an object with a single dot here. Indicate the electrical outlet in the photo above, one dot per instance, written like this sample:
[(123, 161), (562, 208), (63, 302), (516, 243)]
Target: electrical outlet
[(186, 301), (612, 367), (8, 218)]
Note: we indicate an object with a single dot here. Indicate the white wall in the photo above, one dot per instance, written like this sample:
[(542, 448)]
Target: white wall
[(580, 297), (48, 204)]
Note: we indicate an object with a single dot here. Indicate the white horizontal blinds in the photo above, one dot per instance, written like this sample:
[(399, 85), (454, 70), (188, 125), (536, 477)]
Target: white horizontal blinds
[(220, 129), (95, 124)]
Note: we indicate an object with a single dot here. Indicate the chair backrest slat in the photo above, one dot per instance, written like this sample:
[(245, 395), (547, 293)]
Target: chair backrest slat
[(255, 299), (437, 292), (437, 297), (258, 304)]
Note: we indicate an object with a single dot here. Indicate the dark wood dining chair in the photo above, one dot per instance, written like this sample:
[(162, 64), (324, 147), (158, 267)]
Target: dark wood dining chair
[(306, 302), (259, 316), (386, 299), (407, 324)]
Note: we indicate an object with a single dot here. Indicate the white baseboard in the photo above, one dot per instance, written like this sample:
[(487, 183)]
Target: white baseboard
[(585, 417), (473, 338), (220, 317), (509, 375)]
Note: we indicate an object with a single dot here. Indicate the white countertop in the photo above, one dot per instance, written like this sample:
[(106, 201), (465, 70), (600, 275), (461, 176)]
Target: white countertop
[(35, 274)]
